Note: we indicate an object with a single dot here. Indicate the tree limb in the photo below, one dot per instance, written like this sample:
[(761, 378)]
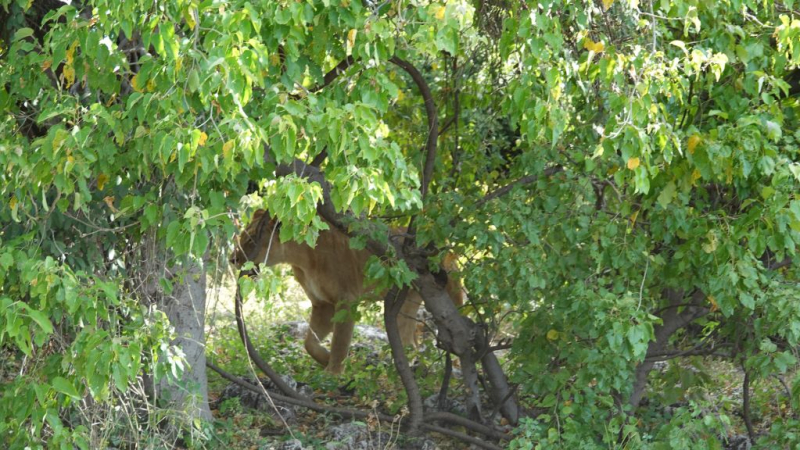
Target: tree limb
[(433, 120), (672, 321), (253, 353), (334, 73), (499, 192), (748, 420), (393, 302)]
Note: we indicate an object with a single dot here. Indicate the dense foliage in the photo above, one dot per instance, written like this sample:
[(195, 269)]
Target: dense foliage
[(619, 178)]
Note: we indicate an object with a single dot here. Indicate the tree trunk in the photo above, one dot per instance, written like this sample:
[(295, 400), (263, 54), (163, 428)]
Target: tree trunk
[(186, 312), (672, 321)]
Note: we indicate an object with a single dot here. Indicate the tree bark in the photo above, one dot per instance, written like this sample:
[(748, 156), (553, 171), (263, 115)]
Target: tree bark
[(186, 312), (499, 390), (392, 303), (672, 321)]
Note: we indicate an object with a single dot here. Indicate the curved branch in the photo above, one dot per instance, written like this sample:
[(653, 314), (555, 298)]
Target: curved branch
[(333, 74), (433, 119), (392, 303), (253, 353), (461, 437)]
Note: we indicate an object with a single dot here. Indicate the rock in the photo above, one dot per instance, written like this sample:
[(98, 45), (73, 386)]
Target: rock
[(738, 442), (454, 406), (297, 330), (355, 436), (259, 402), (293, 444)]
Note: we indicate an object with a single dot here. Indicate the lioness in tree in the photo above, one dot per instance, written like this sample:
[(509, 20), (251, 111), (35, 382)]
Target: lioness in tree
[(332, 276)]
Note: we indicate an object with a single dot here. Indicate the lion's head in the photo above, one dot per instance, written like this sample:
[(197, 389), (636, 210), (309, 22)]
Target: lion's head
[(252, 242)]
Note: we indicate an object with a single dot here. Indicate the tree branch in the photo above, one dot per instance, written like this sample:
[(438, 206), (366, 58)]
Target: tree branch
[(748, 420), (253, 353), (499, 192), (393, 301), (433, 120), (334, 73), (672, 321)]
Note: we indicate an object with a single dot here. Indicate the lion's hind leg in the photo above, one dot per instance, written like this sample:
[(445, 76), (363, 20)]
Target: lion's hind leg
[(320, 326), (340, 343), (407, 319)]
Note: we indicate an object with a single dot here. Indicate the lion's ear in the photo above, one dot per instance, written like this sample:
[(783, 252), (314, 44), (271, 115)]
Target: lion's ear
[(258, 215)]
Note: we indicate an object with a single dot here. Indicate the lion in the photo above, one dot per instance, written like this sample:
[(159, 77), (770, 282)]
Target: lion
[(332, 276)]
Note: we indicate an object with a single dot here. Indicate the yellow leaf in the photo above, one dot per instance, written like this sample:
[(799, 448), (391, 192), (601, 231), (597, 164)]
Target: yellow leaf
[(135, 83), (695, 176), (102, 179), (227, 148), (59, 138), (692, 143), (633, 163), (71, 52), (713, 301), (203, 138), (633, 218), (592, 46), (12, 203), (46, 64), (400, 95), (189, 15), (275, 59), (552, 335), (151, 85), (440, 12), (109, 200), (69, 75), (607, 4), (351, 37)]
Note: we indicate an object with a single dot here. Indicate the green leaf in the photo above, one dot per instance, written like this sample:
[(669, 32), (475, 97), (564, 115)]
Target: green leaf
[(65, 387), (667, 194), (22, 33), (6, 260), (41, 319), (774, 130)]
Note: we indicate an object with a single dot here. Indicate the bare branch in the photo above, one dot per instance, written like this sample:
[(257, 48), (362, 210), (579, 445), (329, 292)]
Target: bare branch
[(522, 181)]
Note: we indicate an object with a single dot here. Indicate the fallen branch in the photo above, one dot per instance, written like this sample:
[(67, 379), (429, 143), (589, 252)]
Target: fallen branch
[(461, 436)]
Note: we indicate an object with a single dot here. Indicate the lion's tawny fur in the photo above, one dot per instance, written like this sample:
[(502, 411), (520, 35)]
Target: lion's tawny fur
[(332, 276)]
